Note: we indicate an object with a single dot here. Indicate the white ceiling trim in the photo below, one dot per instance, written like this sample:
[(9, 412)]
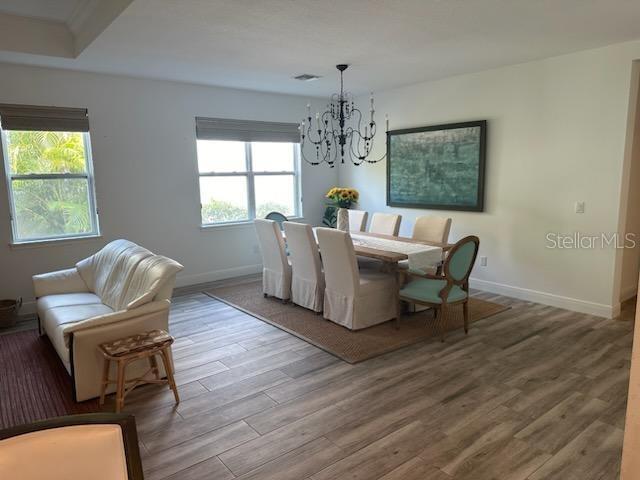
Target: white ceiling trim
[(39, 36)]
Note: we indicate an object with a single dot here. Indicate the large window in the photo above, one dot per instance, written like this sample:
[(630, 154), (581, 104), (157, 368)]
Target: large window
[(49, 178), (245, 179)]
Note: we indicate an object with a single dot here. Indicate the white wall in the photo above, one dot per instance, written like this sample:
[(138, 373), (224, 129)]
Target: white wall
[(556, 135), (144, 153)]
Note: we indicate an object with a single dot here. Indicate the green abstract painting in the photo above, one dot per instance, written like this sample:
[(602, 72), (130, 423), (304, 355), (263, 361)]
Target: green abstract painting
[(437, 167)]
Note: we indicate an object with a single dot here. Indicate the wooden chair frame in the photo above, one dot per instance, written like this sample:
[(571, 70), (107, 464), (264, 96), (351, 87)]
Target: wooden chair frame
[(441, 308), (126, 422)]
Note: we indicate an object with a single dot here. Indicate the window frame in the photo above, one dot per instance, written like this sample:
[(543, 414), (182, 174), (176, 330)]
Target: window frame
[(91, 194), (250, 175)]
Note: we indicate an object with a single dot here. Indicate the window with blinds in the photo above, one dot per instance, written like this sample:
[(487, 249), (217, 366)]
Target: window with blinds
[(47, 159), (247, 169)]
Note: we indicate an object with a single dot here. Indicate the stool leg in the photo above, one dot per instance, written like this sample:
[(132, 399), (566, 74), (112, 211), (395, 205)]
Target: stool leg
[(120, 391), (105, 379), (169, 370), (153, 362)]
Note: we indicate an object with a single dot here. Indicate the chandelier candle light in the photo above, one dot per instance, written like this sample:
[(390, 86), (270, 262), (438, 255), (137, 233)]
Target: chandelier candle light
[(330, 134)]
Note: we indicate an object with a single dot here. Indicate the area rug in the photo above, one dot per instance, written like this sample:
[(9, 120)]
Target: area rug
[(34, 384), (351, 346)]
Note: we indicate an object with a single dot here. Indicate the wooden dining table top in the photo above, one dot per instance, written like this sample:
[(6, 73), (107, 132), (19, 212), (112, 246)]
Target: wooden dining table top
[(387, 255)]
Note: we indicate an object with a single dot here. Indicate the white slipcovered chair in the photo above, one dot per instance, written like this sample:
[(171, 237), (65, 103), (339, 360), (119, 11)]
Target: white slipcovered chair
[(430, 228), (122, 290), (385, 224), (352, 298), (307, 278), (358, 220), (276, 271)]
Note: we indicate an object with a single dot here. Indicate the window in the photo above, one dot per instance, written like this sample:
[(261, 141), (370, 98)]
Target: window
[(247, 173), (47, 159)]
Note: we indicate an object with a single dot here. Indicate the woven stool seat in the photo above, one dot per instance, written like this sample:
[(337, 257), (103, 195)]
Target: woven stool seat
[(155, 339)]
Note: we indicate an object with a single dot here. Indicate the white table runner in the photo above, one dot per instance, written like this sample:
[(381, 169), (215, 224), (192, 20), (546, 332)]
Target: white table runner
[(420, 256)]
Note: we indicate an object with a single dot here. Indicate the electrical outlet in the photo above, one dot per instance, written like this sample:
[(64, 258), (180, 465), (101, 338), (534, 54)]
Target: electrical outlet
[(483, 261), (579, 207)]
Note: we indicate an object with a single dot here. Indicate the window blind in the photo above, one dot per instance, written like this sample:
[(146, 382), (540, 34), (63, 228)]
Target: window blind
[(54, 119), (246, 130)]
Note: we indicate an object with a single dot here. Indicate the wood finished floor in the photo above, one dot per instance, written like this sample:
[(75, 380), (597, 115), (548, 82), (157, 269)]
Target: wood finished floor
[(532, 393)]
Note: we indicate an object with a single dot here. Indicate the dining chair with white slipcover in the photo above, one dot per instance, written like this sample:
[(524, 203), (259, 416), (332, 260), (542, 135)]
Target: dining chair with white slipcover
[(431, 228), (307, 278), (276, 271), (352, 298), (385, 224), (358, 220)]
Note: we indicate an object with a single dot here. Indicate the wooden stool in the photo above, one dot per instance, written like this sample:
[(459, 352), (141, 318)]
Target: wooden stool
[(135, 347)]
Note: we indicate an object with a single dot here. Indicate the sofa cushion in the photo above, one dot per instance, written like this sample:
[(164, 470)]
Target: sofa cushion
[(55, 317), (65, 300), (109, 271)]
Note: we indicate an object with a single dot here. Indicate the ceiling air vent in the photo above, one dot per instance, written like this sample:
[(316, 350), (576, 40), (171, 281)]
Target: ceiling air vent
[(306, 77)]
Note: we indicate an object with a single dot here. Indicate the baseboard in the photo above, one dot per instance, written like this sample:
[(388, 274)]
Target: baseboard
[(188, 280), (574, 304), (536, 296)]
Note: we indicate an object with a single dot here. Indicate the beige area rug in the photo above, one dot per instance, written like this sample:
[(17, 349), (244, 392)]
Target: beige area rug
[(351, 346)]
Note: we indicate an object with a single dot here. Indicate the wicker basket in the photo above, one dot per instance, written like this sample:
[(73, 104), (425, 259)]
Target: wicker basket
[(9, 312)]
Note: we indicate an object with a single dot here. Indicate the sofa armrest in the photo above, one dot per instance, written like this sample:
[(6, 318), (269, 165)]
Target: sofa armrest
[(62, 281), (116, 317), (87, 361)]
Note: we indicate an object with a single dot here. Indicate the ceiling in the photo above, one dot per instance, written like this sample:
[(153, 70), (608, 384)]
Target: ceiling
[(54, 10), (261, 44)]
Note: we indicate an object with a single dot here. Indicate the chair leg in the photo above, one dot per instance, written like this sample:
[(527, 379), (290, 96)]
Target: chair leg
[(153, 363), (120, 382), (465, 312), (105, 379), (168, 368)]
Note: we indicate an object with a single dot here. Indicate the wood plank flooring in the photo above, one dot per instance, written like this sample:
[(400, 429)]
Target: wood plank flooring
[(532, 393)]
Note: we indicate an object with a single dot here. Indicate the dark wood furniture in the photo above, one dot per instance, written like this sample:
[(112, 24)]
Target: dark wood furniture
[(59, 425)]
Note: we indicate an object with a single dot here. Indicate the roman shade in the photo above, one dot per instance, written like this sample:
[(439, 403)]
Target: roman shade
[(52, 119), (246, 130)]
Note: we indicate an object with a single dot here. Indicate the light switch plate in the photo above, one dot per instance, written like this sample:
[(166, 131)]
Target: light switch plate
[(483, 261), (579, 207)]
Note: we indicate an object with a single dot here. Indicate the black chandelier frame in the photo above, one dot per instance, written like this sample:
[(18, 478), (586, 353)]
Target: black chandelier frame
[(332, 137)]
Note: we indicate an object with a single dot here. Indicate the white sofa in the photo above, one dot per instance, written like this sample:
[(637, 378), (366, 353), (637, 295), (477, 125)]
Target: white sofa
[(121, 290)]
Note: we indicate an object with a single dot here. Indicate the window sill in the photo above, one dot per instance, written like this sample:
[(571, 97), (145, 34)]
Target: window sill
[(217, 226), (52, 242)]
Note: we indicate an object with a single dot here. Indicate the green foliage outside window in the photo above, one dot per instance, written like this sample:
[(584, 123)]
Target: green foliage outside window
[(218, 211), (48, 207)]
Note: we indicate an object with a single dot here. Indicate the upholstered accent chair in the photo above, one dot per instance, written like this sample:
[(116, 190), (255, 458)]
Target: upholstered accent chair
[(307, 277), (277, 217), (385, 223), (352, 298), (451, 288), (358, 220), (122, 290), (98, 446), (276, 270)]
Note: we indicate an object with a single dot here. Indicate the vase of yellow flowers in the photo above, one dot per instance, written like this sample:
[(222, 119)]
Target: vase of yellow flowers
[(336, 214)]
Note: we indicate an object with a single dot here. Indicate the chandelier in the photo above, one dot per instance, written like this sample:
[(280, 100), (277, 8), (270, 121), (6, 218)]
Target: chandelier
[(338, 131)]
